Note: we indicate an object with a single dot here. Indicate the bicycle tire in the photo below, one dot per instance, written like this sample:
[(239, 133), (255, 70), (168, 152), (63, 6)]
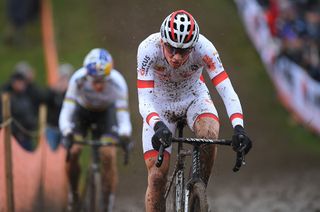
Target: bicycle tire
[(198, 198), (86, 193), (92, 198), (175, 197)]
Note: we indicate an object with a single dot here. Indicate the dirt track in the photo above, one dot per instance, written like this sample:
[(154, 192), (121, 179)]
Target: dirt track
[(280, 175)]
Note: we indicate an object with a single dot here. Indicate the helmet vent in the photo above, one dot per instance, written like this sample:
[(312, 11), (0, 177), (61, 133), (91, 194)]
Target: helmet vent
[(175, 26), (181, 28)]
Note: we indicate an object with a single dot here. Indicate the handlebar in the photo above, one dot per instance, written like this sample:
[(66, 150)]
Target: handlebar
[(240, 159), (97, 143)]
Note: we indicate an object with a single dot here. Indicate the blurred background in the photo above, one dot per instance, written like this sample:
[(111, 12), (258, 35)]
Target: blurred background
[(282, 171)]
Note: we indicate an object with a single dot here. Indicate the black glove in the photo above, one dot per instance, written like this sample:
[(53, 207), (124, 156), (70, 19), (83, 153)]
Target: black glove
[(162, 136), (125, 143), (67, 141), (240, 141)]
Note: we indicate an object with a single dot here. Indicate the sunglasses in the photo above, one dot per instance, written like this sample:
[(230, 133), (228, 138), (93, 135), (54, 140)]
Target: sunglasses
[(173, 51)]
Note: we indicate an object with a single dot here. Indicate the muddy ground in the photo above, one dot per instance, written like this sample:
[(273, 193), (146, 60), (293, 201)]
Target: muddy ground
[(282, 174)]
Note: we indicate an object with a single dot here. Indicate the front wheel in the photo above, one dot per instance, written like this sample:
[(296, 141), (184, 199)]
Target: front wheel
[(198, 198), (175, 196), (92, 200)]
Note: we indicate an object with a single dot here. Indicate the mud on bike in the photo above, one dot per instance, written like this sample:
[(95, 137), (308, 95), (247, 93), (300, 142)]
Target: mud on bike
[(182, 193), (92, 198)]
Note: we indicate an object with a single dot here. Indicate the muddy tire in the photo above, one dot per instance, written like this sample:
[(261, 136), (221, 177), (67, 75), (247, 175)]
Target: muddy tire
[(198, 198)]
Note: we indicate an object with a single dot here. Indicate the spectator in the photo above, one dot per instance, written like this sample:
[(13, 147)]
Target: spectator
[(21, 105), (55, 96), (19, 14), (36, 93)]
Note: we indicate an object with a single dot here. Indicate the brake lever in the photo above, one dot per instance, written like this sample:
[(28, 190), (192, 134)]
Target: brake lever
[(160, 156), (239, 161)]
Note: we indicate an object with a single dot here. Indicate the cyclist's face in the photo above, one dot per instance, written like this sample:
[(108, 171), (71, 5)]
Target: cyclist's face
[(175, 56), (98, 85)]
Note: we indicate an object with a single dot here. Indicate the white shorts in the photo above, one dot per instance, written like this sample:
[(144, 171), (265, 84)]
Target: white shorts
[(170, 113)]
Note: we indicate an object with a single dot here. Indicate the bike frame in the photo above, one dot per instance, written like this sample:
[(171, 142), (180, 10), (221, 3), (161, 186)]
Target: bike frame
[(182, 192), (183, 188), (94, 168)]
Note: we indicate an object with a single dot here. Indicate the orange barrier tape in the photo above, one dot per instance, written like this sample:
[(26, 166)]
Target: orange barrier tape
[(35, 173), (26, 176), (55, 187)]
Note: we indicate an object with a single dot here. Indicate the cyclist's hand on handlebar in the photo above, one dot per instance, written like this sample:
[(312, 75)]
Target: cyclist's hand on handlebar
[(67, 140), (162, 136), (126, 143), (240, 141)]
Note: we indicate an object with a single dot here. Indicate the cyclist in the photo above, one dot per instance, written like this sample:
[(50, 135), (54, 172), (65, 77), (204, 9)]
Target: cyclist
[(96, 99), (171, 86)]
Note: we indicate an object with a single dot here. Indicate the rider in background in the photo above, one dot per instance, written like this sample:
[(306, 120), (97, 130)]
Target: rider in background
[(171, 87), (97, 96)]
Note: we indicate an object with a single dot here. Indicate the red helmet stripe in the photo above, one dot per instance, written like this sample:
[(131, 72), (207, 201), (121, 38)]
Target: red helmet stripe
[(172, 22), (192, 25)]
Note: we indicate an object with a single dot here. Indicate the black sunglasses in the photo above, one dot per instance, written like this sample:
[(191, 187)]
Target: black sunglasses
[(172, 50)]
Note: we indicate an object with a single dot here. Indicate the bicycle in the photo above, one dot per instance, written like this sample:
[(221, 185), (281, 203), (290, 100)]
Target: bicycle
[(190, 194), (92, 199)]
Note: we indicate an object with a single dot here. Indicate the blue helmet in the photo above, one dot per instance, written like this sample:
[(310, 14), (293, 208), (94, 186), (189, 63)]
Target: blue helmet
[(98, 63)]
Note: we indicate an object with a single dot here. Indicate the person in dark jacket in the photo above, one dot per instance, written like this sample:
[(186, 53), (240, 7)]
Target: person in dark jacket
[(25, 123)]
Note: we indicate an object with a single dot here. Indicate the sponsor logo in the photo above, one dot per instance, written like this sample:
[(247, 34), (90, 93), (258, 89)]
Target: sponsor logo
[(209, 62), (142, 72), (145, 62)]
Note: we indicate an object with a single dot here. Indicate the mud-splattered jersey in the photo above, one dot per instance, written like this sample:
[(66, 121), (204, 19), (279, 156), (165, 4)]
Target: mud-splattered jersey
[(160, 84), (81, 91)]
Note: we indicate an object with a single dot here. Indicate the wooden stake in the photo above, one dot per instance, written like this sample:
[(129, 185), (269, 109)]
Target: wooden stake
[(6, 114)]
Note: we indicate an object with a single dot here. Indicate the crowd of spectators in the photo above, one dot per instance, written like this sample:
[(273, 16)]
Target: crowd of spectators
[(296, 24), (25, 99)]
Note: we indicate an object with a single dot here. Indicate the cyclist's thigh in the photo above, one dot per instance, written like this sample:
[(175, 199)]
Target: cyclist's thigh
[(81, 120), (108, 151), (106, 122), (202, 113)]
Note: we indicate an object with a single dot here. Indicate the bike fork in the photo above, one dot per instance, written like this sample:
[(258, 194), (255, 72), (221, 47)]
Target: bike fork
[(195, 175), (186, 199), (179, 190)]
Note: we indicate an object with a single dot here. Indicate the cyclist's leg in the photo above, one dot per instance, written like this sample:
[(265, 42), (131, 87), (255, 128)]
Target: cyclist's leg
[(109, 173), (157, 177), (73, 172), (106, 125), (73, 167), (205, 125)]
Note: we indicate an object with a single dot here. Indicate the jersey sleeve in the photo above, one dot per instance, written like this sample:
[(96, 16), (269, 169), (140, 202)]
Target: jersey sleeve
[(220, 79), (145, 85), (122, 107), (68, 107)]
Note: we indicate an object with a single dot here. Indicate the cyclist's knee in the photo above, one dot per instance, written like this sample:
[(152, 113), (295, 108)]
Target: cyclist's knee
[(206, 127), (75, 152), (108, 156)]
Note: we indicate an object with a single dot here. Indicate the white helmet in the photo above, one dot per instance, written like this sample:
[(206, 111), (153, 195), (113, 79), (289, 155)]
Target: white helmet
[(98, 63), (180, 30)]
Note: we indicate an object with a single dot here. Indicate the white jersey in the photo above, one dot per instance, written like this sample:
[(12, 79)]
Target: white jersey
[(80, 91), (162, 88)]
